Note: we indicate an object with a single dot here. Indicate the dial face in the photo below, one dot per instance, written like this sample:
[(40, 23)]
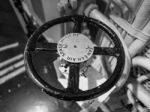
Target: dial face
[(75, 48)]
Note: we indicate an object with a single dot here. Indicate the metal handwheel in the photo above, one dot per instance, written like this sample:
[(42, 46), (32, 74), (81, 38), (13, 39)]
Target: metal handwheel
[(76, 48)]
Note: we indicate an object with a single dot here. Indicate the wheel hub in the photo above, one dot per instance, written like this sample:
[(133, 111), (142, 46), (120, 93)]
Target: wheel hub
[(75, 48)]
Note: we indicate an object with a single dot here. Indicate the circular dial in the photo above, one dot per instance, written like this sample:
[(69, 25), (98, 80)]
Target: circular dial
[(75, 48)]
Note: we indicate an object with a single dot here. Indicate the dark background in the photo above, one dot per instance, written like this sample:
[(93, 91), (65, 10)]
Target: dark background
[(20, 94)]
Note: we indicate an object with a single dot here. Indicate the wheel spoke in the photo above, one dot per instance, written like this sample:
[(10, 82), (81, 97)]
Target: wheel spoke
[(106, 51), (73, 81), (48, 47), (44, 49), (77, 26), (51, 46)]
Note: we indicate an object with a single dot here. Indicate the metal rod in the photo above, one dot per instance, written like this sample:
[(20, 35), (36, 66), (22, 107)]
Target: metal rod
[(11, 60), (11, 68), (10, 46), (12, 75)]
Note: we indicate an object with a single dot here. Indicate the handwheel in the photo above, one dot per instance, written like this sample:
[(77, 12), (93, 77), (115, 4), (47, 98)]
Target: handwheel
[(76, 48)]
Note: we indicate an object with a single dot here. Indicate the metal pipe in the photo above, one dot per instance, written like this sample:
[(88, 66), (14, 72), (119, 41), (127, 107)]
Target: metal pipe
[(92, 11), (143, 77), (135, 87), (140, 92), (142, 62), (138, 45), (141, 19), (133, 6), (140, 23), (142, 16)]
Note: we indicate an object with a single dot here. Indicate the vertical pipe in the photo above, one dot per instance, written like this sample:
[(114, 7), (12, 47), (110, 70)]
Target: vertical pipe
[(138, 45), (141, 19), (133, 6)]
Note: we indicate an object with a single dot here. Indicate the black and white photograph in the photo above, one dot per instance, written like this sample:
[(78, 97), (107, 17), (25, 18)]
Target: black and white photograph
[(75, 56)]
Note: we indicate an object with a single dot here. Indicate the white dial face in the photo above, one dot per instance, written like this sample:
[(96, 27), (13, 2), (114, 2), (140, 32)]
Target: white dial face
[(75, 48)]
